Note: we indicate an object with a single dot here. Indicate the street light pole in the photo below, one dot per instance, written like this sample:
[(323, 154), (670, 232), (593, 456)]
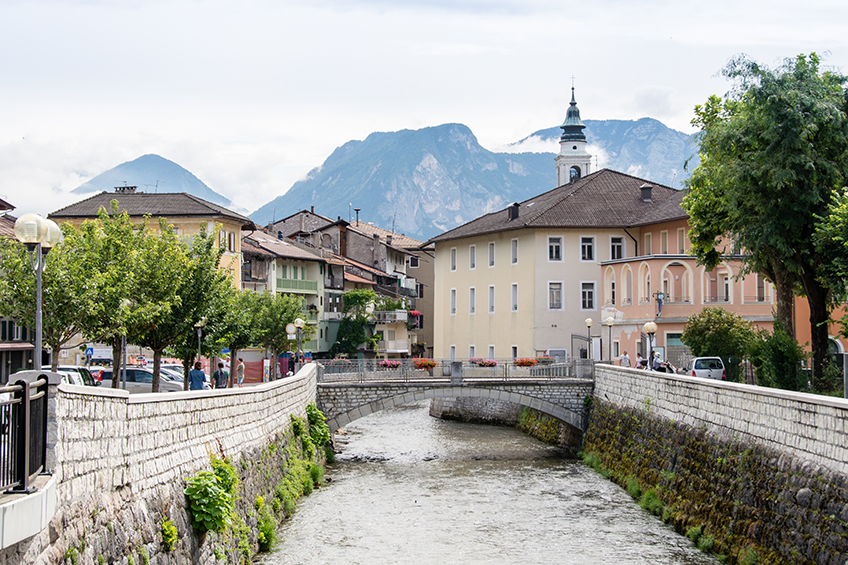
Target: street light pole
[(199, 325), (298, 324), (588, 322), (610, 322), (650, 329), (39, 235)]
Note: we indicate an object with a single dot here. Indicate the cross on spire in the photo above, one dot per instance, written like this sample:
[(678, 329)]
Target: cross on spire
[(572, 81)]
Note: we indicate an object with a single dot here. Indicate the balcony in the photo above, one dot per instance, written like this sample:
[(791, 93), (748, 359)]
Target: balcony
[(392, 347), (391, 317), (333, 315), (310, 316), (297, 286)]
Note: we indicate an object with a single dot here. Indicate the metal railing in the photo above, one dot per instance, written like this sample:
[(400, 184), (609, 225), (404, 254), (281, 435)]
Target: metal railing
[(404, 370), (23, 433)]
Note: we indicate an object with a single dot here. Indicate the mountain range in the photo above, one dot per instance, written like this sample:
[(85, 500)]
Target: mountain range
[(151, 173), (423, 182)]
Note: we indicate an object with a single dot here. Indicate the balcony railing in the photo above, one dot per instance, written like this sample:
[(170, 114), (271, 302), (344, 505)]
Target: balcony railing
[(23, 433), (760, 298), (310, 316), (393, 346), (298, 286), (391, 316), (669, 299), (717, 299), (333, 315)]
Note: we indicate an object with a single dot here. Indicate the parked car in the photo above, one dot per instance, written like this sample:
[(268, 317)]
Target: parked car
[(140, 379), (77, 375), (708, 368), (96, 371)]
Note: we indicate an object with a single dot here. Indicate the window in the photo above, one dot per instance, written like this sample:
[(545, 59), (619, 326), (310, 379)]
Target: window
[(453, 259), (491, 253), (471, 352), (294, 272), (555, 296), (587, 248), (515, 297), (587, 294), (453, 301), (648, 248), (554, 249), (491, 299), (303, 273), (612, 293), (515, 352), (616, 349), (472, 300), (664, 242), (419, 287), (390, 335), (681, 241), (285, 268), (514, 251), (616, 247), (472, 257), (726, 296), (231, 242), (413, 262), (761, 289), (491, 352), (452, 352)]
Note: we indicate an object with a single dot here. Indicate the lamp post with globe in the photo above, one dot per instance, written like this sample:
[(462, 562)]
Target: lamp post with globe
[(650, 328), (588, 322), (39, 236)]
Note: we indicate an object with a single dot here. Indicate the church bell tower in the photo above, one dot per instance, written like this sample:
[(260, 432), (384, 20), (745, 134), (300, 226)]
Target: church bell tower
[(573, 161)]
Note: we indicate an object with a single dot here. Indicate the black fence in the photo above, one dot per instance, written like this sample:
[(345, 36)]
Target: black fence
[(23, 433)]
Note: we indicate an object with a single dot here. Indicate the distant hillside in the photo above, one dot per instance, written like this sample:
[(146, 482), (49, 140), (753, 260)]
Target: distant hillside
[(146, 172), (423, 182)]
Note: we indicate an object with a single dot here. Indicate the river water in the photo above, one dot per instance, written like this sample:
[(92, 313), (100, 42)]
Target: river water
[(408, 488)]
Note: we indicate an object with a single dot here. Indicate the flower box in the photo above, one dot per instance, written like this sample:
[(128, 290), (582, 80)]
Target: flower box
[(487, 363), (421, 363), (525, 362), (389, 364)]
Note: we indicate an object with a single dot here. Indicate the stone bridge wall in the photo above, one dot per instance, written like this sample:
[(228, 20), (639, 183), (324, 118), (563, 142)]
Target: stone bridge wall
[(344, 402)]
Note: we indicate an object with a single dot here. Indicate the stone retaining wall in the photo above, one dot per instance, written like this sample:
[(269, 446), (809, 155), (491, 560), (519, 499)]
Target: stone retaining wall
[(811, 427), (121, 460)]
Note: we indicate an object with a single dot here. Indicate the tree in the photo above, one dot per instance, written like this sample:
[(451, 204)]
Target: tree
[(237, 328), (353, 327), (777, 358), (715, 332), (274, 313), (61, 294), (772, 154)]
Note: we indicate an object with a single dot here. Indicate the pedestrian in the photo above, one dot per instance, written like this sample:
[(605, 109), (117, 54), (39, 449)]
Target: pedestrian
[(625, 360), (196, 377), (240, 372), (656, 364), (220, 377), (639, 361)]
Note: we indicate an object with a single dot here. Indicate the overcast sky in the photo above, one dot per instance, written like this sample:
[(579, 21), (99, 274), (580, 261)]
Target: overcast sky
[(251, 95)]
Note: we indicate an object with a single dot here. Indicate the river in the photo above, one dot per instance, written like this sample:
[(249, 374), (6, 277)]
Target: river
[(408, 488)]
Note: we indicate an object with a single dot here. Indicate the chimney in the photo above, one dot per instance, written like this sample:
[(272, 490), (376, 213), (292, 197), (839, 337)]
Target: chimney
[(312, 209), (646, 192), (388, 240), (376, 249), (513, 211), (125, 189)]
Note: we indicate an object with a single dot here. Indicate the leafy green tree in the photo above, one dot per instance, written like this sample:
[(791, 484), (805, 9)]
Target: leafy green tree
[(237, 327), (203, 294), (715, 332), (61, 294), (274, 313), (772, 154), (353, 328), (777, 358)]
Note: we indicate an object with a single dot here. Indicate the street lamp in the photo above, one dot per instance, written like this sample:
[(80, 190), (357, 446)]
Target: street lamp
[(650, 328), (39, 235), (299, 324), (199, 325), (610, 323), (588, 322)]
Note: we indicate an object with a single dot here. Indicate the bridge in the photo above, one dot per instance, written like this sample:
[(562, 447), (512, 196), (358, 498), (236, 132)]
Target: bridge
[(354, 392)]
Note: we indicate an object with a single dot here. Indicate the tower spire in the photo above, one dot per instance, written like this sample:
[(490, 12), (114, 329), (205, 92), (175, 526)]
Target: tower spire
[(573, 161)]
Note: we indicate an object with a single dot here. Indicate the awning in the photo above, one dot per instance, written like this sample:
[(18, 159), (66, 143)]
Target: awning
[(16, 346)]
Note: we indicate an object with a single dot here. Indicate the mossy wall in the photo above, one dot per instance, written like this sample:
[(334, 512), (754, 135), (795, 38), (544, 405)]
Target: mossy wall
[(742, 501)]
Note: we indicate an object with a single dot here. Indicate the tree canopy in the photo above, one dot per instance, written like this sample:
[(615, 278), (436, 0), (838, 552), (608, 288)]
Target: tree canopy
[(773, 153), (715, 332)]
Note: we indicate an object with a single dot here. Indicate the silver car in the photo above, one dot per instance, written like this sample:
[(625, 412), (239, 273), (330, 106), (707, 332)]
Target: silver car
[(140, 379), (708, 368)]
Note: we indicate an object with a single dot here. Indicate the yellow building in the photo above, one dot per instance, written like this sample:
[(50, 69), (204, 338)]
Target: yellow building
[(186, 213)]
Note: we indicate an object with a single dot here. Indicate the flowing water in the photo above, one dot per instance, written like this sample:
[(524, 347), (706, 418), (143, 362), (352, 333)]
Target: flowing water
[(408, 488)]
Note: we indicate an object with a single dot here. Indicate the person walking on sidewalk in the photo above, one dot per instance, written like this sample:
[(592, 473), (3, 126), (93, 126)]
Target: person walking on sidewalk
[(220, 377), (240, 371)]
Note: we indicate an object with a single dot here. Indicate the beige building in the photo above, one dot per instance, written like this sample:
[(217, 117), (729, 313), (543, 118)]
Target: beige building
[(186, 213)]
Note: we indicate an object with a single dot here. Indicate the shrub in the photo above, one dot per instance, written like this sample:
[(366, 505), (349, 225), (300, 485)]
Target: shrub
[(318, 429), (209, 503), (525, 362), (421, 363), (316, 472), (633, 487), (389, 364), (169, 534)]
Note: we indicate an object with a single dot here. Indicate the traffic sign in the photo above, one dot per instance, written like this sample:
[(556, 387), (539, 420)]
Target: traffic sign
[(89, 351)]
